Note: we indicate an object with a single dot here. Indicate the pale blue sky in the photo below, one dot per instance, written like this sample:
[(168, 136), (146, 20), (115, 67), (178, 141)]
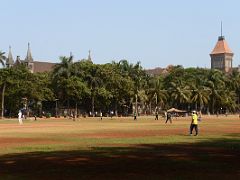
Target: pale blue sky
[(155, 32)]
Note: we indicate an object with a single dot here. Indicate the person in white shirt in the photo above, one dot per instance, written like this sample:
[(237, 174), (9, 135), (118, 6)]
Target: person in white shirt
[(20, 117)]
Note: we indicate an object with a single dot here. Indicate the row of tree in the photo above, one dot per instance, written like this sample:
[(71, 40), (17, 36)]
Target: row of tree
[(119, 86)]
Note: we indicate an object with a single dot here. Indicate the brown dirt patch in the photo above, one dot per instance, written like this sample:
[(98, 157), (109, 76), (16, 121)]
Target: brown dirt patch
[(134, 134), (6, 142)]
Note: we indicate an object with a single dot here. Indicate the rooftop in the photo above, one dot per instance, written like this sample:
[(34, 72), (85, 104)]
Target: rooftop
[(221, 47)]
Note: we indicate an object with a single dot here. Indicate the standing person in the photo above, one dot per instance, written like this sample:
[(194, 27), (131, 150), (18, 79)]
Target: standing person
[(74, 116), (111, 114), (169, 118), (135, 115), (20, 117), (194, 123), (101, 115), (156, 115)]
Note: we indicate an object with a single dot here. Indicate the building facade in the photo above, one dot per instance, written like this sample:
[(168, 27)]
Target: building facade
[(222, 56), (34, 66)]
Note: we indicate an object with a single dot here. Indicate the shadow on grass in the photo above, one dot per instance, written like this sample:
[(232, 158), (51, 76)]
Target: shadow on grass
[(218, 158)]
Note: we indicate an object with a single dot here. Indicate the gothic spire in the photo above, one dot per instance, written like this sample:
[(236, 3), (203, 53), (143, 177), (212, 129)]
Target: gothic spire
[(10, 60), (29, 54), (221, 37), (89, 55)]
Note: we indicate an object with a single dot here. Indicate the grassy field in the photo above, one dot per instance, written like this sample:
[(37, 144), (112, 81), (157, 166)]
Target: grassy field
[(120, 148)]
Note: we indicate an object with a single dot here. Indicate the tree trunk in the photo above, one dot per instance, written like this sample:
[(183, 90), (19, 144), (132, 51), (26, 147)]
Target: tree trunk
[(136, 105), (213, 104), (150, 108), (68, 111), (76, 110), (3, 96), (93, 105), (116, 109)]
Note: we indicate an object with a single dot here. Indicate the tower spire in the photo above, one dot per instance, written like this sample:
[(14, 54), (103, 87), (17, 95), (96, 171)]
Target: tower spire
[(220, 38), (10, 60), (89, 55), (221, 29), (29, 54)]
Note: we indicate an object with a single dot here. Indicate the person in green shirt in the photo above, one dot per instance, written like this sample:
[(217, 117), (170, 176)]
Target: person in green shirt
[(135, 115), (194, 123)]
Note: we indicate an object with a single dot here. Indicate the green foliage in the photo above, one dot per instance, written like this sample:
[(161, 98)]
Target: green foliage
[(118, 86), (2, 58)]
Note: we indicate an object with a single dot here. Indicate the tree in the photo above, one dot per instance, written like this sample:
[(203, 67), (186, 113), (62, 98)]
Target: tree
[(90, 74), (200, 96), (179, 93), (157, 91), (61, 73), (234, 85), (2, 58), (216, 84), (4, 79)]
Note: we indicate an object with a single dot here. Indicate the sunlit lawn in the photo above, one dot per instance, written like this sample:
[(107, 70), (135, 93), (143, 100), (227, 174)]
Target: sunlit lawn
[(121, 137)]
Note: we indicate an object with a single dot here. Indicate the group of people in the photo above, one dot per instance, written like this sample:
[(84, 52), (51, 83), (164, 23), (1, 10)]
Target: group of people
[(168, 117), (193, 125)]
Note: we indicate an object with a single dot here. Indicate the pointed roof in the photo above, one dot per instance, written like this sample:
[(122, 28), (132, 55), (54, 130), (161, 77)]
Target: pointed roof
[(89, 55), (18, 61), (221, 47), (29, 55), (10, 60)]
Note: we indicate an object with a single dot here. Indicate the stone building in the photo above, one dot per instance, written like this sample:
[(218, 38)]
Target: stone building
[(222, 56), (34, 66)]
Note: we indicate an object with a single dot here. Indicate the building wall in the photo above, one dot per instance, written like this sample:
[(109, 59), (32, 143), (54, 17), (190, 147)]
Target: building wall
[(222, 62)]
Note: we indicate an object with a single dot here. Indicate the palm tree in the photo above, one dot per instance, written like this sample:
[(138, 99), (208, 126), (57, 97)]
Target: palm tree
[(157, 92), (136, 73), (234, 83), (2, 58), (64, 68), (200, 96), (94, 82), (61, 73), (4, 78), (179, 93), (200, 92), (216, 83)]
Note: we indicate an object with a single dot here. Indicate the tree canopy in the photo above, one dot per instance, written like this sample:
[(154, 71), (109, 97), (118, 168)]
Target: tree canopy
[(118, 86)]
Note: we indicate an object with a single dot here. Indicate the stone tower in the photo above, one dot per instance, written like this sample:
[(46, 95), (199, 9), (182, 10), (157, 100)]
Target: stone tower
[(10, 61), (29, 59), (222, 55), (89, 56)]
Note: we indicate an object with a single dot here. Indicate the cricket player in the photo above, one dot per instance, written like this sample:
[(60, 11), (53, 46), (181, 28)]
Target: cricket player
[(194, 123), (20, 117)]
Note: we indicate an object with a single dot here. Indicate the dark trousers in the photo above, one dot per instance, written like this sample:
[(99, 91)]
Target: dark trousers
[(135, 117), (156, 118), (194, 126), (169, 119)]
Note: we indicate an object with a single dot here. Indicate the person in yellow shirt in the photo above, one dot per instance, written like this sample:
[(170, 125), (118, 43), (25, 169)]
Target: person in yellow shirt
[(194, 123)]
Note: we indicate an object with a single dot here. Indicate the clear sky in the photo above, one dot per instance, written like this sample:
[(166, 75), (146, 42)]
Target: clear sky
[(155, 32)]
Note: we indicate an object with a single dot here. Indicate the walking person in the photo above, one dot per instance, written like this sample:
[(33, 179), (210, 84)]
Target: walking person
[(20, 117), (135, 115), (194, 123), (111, 114), (169, 118), (156, 115)]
